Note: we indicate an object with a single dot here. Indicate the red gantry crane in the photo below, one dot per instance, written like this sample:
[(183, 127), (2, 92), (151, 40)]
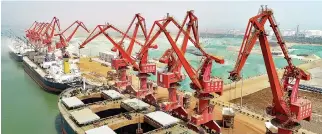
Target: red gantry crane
[(124, 58), (31, 30), (201, 79), (287, 107), (119, 63), (47, 37), (36, 37), (171, 77), (63, 42)]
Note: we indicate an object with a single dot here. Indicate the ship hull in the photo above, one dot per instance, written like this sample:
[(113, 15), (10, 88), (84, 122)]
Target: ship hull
[(15, 56), (65, 128), (44, 83)]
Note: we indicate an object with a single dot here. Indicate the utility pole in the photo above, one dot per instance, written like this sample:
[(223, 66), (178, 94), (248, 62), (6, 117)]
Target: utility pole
[(241, 93), (297, 31)]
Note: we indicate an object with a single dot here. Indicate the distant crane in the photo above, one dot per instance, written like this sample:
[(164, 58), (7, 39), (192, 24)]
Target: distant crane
[(31, 30), (47, 37), (63, 42)]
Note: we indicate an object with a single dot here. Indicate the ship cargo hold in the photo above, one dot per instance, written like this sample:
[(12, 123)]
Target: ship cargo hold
[(103, 109)]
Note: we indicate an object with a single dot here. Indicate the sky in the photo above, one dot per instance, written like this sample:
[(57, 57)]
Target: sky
[(212, 15)]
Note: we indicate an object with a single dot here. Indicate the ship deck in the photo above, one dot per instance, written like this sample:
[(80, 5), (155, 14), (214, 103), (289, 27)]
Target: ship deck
[(83, 117), (40, 71)]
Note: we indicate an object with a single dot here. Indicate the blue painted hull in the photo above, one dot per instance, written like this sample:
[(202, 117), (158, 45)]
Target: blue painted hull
[(65, 128), (47, 84)]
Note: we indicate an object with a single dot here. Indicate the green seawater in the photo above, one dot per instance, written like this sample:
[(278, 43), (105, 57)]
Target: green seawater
[(26, 108)]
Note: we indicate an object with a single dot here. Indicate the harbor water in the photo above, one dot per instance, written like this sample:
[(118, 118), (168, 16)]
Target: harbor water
[(25, 107)]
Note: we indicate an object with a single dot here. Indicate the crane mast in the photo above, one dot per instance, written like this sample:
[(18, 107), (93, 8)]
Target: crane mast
[(37, 35), (31, 32), (119, 63), (140, 23), (47, 39), (287, 107), (171, 77), (31, 29)]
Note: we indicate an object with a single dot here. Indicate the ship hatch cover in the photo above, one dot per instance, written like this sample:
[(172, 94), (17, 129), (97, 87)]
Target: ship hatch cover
[(100, 130), (162, 118), (72, 102), (84, 116), (112, 94), (136, 104)]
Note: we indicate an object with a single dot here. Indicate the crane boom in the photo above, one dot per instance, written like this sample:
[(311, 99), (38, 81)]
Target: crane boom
[(48, 36), (102, 29), (184, 62), (53, 23), (63, 41), (79, 24)]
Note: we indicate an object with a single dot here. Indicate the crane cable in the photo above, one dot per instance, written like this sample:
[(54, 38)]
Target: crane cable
[(229, 95), (241, 92)]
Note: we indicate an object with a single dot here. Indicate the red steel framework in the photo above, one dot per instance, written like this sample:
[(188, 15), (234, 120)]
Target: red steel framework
[(201, 79), (47, 37), (31, 30), (36, 37), (171, 77), (287, 107), (38, 32), (124, 58), (63, 42), (119, 63)]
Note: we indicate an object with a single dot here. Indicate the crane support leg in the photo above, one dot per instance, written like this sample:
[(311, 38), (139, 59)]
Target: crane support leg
[(175, 100), (284, 131), (123, 79)]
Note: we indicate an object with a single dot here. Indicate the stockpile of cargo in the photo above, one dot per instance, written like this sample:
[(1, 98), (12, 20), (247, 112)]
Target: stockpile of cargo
[(39, 58), (106, 56)]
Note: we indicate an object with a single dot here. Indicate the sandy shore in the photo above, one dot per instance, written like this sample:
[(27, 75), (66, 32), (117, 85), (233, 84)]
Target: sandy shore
[(290, 44), (257, 83)]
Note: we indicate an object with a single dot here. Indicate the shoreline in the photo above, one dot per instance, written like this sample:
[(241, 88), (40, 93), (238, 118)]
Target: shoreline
[(249, 85), (290, 44)]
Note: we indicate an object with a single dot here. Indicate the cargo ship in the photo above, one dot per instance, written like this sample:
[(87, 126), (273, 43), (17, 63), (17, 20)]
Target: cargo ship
[(102, 109), (14, 54), (17, 49), (51, 73)]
